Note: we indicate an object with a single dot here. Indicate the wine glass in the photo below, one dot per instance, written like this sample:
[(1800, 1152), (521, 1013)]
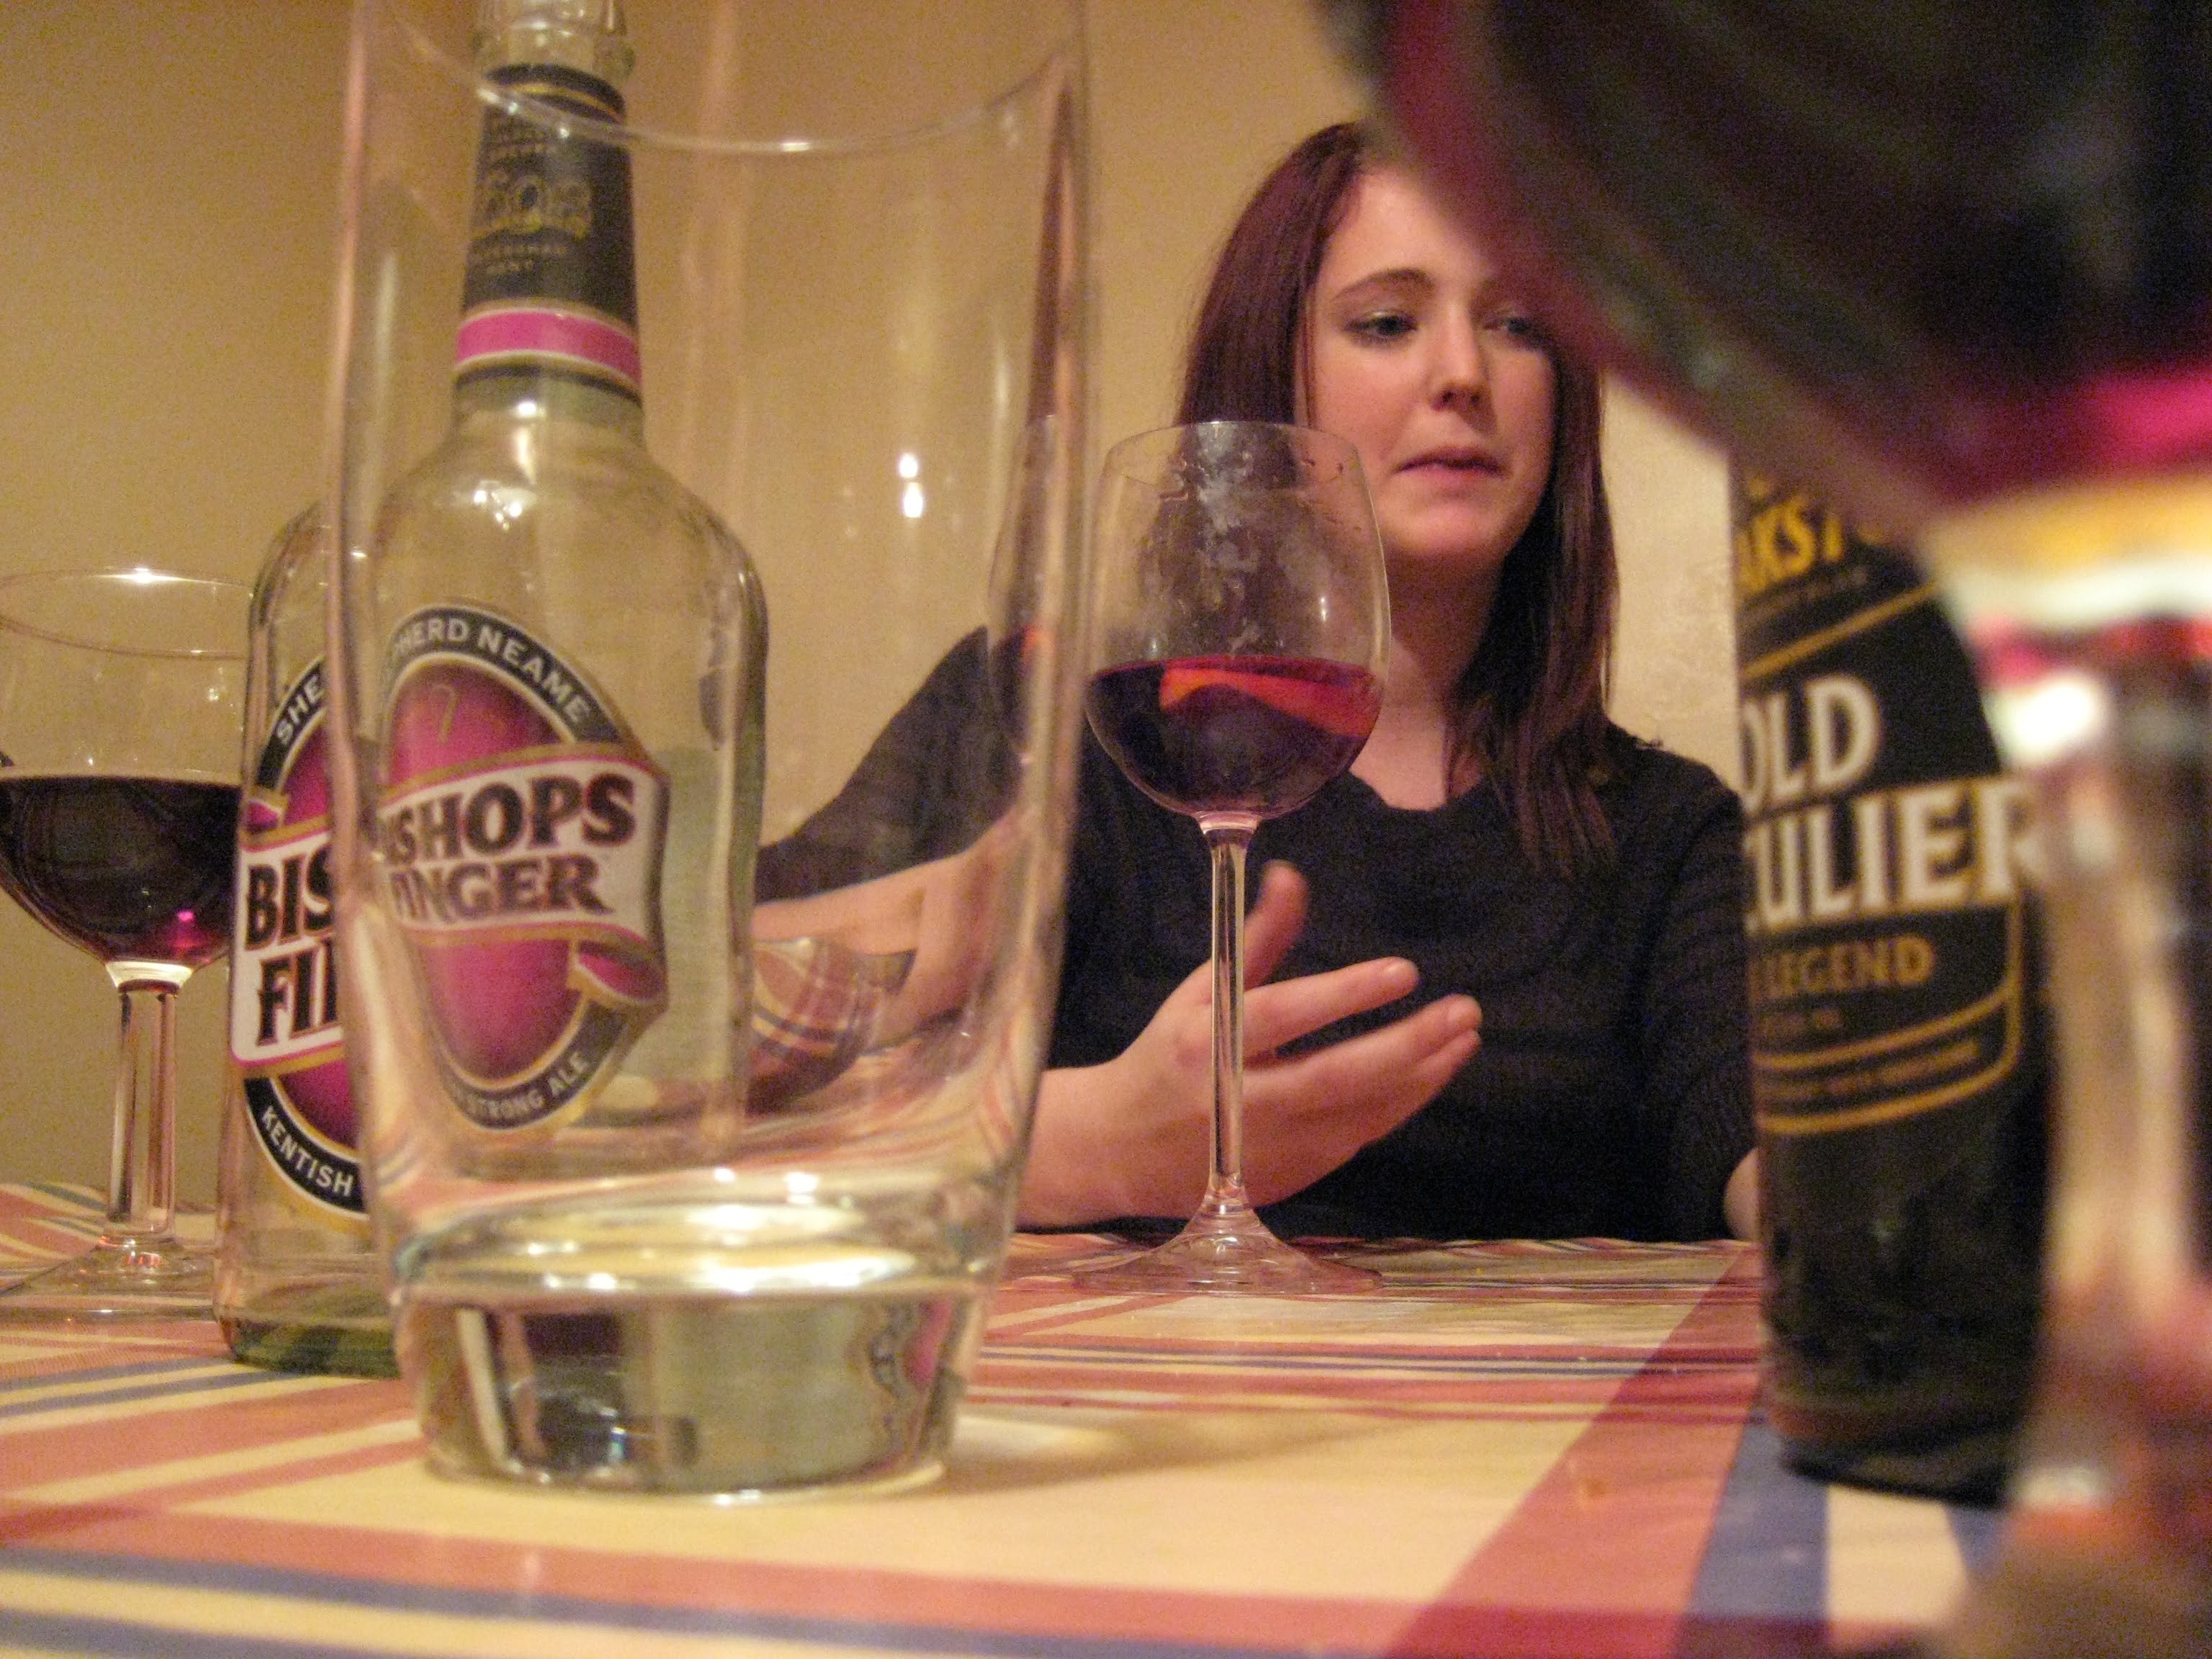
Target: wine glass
[(1238, 624), (120, 714), (1951, 263)]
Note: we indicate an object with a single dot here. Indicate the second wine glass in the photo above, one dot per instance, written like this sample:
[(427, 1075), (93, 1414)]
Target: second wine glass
[(120, 716), (1239, 621)]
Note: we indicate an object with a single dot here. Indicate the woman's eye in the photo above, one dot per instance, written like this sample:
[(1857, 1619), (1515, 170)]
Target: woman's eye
[(1383, 326), (1516, 326)]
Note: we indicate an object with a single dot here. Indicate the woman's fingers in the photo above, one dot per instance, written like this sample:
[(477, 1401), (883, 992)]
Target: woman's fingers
[(1382, 1068), (1306, 1115), (1280, 1014), (1277, 918)]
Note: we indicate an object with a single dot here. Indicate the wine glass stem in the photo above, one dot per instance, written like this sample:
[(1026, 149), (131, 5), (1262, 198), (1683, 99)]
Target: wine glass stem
[(141, 1166), (1227, 841)]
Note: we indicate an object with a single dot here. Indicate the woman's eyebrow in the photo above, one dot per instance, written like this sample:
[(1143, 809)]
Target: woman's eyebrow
[(1396, 276)]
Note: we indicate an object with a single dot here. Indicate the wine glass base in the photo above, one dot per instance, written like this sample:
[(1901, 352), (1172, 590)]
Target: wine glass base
[(1226, 1254), (140, 1280)]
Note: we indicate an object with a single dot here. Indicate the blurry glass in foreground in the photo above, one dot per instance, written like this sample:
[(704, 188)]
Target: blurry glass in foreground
[(655, 327), (1953, 264)]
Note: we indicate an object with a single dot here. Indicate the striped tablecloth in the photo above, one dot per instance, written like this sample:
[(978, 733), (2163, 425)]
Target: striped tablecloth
[(1527, 1449)]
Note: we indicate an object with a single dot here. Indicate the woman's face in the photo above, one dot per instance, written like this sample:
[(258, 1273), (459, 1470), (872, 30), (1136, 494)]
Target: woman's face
[(1435, 374)]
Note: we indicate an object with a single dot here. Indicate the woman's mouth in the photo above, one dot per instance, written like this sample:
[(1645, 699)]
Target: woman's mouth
[(1453, 460)]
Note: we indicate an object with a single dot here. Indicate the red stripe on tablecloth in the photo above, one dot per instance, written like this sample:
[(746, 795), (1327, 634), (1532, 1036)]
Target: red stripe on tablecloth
[(17, 1200), (108, 1445), (24, 1523), (532, 1573), (1535, 1587)]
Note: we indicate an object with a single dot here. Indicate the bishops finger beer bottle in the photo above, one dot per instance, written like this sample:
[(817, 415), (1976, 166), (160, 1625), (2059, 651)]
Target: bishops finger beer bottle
[(298, 1284), (1898, 1042)]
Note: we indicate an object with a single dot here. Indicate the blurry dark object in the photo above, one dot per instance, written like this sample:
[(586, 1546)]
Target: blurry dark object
[(1915, 253)]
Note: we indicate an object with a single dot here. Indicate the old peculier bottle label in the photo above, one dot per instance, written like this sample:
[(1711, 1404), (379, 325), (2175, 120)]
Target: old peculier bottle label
[(1898, 1061), (520, 835), (1886, 909)]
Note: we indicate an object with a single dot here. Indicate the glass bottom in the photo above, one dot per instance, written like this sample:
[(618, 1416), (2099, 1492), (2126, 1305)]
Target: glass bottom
[(1223, 1252), (687, 1341), (140, 1279)]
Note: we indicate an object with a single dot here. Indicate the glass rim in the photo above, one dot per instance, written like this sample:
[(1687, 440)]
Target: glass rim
[(1064, 47), (1176, 434), (139, 576)]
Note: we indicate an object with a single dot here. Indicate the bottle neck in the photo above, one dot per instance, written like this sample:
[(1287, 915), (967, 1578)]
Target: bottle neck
[(549, 303), (532, 394)]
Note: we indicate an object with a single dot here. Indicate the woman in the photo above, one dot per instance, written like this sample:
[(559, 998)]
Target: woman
[(1502, 870), (1497, 837)]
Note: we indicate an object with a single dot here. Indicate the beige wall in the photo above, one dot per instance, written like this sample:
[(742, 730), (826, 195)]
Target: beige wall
[(167, 190)]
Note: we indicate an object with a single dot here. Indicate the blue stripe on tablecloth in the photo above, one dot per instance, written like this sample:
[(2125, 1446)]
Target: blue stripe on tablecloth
[(1768, 1554), (125, 1640), (107, 1639), (31, 1380), (69, 1196), (1977, 1532), (129, 1383)]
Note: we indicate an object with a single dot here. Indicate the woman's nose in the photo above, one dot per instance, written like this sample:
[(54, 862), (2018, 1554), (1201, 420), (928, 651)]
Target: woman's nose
[(1460, 373)]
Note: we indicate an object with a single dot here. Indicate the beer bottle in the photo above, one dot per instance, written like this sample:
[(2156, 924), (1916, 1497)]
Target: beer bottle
[(297, 1281), (573, 658), (1898, 1042)]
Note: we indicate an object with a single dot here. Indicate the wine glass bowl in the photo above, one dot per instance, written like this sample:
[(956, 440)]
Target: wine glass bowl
[(1239, 621), (120, 707)]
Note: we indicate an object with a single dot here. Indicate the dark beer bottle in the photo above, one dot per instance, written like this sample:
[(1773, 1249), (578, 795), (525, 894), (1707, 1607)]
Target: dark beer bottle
[(1898, 1050)]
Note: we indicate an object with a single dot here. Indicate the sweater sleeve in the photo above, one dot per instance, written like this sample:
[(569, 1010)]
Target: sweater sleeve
[(1695, 1022), (934, 779)]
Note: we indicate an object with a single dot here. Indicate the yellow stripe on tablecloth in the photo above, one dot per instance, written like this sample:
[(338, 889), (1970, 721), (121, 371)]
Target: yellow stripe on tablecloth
[(1286, 1504), (32, 1343), (1891, 1559), (243, 1616), (152, 1477), (1261, 1324), (1044, 1396)]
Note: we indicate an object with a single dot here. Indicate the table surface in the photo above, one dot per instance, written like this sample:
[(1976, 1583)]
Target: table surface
[(1535, 1450)]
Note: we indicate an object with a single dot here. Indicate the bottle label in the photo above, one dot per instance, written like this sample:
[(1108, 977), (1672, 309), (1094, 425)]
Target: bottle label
[(284, 1031), (551, 285), (1884, 850), (521, 832)]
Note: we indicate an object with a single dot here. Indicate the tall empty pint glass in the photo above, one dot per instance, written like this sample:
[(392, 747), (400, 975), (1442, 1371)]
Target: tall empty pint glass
[(695, 993)]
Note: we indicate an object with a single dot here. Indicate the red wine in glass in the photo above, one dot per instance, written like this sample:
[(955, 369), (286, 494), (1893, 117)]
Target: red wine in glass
[(1249, 736), (129, 868)]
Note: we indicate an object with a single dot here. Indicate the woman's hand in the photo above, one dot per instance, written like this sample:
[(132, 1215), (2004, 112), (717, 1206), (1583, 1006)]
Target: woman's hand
[(1131, 1137), (1740, 1202), (941, 916)]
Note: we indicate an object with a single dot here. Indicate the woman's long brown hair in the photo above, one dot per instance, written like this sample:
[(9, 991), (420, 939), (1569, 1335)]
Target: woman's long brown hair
[(1530, 710)]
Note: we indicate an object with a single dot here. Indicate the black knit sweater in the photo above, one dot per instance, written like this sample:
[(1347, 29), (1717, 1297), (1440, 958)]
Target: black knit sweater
[(1611, 1095)]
